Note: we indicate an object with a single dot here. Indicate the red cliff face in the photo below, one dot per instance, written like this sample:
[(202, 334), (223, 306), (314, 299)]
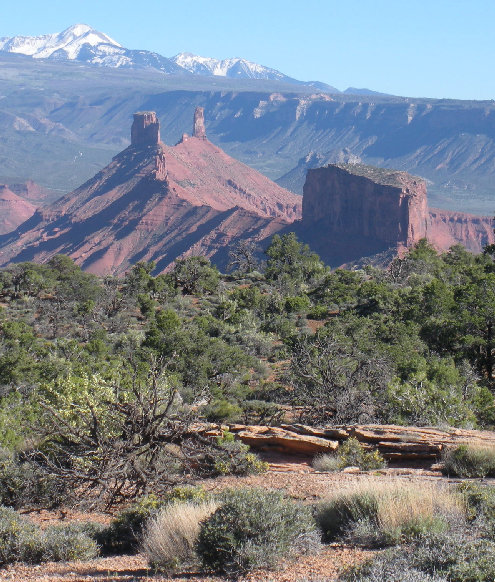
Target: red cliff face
[(156, 203), (360, 210), (447, 228), (354, 211), (13, 210)]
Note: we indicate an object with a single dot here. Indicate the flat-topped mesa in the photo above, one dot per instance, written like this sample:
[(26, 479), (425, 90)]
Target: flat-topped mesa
[(145, 130), (199, 123), (385, 207)]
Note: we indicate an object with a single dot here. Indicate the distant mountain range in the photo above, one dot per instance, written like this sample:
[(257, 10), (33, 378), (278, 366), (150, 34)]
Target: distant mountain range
[(82, 43)]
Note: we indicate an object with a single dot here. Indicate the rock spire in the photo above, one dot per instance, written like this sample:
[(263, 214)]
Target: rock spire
[(199, 123), (145, 130)]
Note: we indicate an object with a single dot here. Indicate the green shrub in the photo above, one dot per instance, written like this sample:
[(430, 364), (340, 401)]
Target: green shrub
[(186, 494), (387, 567), (170, 537), (20, 539), (457, 556), (123, 533), (297, 303), (480, 507), (221, 410), (253, 529), (318, 312), (23, 541), (468, 461), (450, 556), (335, 517), (327, 463), (23, 485), (75, 541), (351, 453), (234, 458)]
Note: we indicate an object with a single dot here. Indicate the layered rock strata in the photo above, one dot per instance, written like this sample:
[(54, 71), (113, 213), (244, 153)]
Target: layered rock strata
[(382, 205), (447, 228), (395, 443)]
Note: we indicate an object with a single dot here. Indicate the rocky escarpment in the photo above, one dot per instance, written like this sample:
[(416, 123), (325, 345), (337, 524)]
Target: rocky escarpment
[(156, 203), (382, 205), (352, 211), (60, 142)]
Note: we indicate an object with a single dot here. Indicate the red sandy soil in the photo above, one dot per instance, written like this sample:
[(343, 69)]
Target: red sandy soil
[(320, 568)]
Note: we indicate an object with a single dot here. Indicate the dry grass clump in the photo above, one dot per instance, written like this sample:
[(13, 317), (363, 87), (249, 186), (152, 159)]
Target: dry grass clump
[(381, 513), (170, 537), (469, 460), (327, 463)]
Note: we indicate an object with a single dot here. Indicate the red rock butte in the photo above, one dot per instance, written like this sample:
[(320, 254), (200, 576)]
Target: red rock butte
[(155, 202), (352, 211)]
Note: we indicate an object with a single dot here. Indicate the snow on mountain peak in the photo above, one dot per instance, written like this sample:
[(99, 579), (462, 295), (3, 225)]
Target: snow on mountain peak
[(82, 43), (77, 29), (233, 67), (70, 41)]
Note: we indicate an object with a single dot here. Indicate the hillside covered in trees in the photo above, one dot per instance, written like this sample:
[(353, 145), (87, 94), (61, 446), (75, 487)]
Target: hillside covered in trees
[(102, 378)]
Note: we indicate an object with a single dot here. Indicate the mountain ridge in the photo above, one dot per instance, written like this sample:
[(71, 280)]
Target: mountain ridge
[(82, 43)]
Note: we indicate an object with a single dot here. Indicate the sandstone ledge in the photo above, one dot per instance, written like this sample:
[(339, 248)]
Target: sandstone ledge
[(395, 443)]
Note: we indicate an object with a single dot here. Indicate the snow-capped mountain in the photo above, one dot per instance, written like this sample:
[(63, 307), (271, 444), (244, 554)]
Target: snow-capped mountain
[(237, 68), (67, 44), (82, 43), (234, 68)]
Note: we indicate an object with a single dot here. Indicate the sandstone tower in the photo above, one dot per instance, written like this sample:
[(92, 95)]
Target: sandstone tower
[(145, 129)]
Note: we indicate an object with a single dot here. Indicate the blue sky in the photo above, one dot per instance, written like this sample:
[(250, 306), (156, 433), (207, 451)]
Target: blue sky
[(418, 48)]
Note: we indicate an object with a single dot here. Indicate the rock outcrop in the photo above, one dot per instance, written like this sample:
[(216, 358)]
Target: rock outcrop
[(156, 203), (383, 205), (13, 210), (352, 211), (395, 443)]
